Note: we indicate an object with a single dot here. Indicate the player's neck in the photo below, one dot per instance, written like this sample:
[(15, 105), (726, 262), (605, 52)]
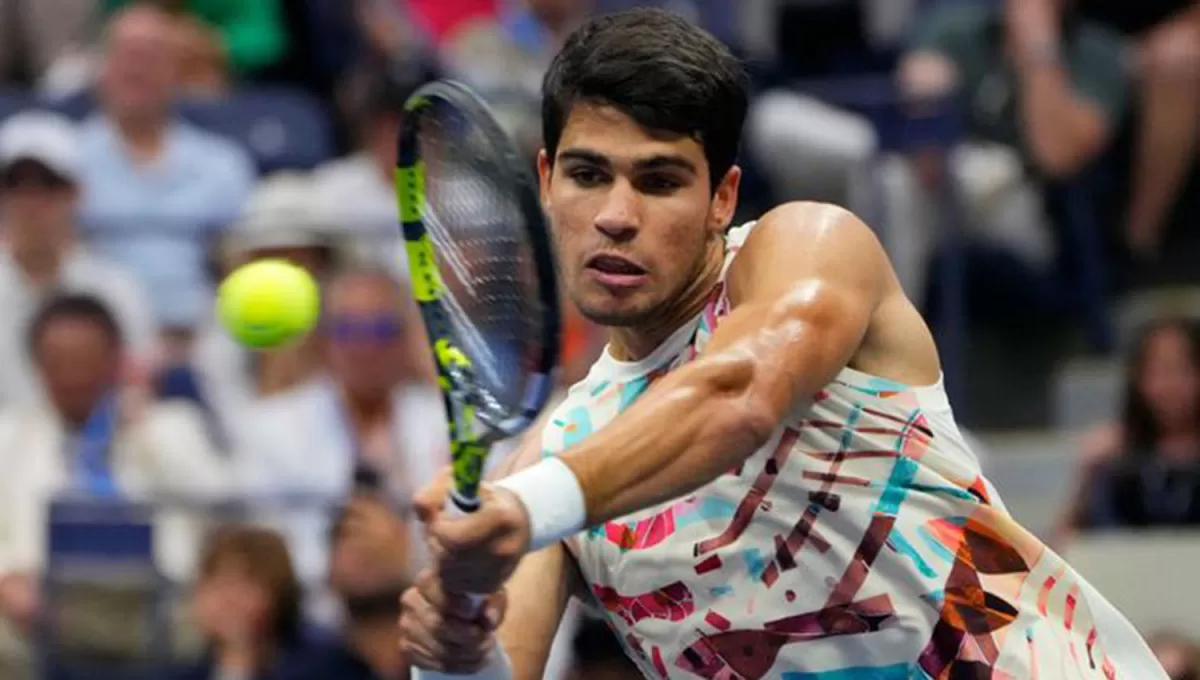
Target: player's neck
[(634, 343)]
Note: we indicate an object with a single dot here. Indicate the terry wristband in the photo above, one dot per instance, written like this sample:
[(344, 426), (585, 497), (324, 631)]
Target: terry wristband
[(552, 497)]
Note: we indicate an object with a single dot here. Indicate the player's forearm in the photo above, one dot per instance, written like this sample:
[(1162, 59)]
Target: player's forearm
[(537, 597), (699, 423)]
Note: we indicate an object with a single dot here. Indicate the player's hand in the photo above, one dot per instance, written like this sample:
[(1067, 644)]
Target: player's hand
[(476, 553), (447, 633)]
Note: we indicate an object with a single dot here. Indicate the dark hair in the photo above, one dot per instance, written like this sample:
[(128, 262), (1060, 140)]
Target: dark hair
[(1139, 424), (264, 555), (659, 69), (74, 306)]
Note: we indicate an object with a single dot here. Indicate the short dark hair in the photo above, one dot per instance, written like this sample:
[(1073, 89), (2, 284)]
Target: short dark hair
[(74, 306), (659, 69)]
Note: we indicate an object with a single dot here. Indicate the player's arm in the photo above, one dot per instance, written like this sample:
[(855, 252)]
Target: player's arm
[(804, 289)]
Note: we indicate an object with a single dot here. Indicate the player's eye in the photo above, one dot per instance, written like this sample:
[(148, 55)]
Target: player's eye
[(659, 184), (586, 176)]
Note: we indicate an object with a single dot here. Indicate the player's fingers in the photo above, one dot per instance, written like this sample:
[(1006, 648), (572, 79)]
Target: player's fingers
[(429, 500), (418, 630)]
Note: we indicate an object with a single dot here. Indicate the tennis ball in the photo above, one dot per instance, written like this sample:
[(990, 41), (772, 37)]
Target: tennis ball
[(268, 303)]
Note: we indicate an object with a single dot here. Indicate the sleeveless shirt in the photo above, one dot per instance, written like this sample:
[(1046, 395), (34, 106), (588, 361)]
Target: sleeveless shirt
[(860, 542)]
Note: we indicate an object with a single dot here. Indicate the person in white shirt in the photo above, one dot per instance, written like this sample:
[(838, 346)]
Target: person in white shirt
[(39, 195), (94, 438), (357, 191), (375, 420), (279, 221)]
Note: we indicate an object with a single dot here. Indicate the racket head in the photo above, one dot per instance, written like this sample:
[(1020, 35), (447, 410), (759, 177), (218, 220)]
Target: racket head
[(481, 259)]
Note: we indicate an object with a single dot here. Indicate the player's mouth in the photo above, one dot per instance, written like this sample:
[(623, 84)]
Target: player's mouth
[(616, 272)]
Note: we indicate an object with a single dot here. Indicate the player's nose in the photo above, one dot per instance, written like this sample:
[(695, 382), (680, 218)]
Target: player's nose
[(618, 217)]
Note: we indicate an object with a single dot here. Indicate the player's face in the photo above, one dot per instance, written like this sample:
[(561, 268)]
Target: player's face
[(633, 214)]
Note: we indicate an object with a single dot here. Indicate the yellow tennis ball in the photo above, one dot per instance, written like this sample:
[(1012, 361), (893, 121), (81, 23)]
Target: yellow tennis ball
[(268, 303)]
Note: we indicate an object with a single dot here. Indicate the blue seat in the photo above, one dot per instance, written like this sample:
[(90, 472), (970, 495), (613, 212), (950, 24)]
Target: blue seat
[(94, 548), (280, 128)]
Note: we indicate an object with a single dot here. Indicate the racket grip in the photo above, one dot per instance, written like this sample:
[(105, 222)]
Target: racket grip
[(454, 508), (497, 668)]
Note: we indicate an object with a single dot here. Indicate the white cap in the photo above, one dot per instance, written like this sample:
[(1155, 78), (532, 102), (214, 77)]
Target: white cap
[(281, 213), (43, 137)]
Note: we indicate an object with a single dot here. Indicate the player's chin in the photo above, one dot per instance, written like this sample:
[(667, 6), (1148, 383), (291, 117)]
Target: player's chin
[(617, 312)]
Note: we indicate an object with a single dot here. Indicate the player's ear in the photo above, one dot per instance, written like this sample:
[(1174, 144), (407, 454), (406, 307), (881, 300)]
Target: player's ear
[(724, 201), (545, 168)]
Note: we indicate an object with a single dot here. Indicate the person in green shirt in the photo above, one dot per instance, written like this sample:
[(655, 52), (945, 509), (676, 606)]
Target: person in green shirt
[(1029, 75), (250, 33)]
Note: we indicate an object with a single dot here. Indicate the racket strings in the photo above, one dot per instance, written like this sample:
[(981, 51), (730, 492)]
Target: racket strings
[(478, 228)]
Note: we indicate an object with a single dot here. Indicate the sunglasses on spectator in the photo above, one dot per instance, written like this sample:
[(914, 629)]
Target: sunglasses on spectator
[(374, 329)]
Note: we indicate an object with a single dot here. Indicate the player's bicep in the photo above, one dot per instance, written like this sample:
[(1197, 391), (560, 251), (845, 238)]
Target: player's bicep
[(804, 289), (537, 597)]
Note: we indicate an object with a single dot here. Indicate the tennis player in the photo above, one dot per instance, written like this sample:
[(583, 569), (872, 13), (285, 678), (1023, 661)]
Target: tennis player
[(762, 476)]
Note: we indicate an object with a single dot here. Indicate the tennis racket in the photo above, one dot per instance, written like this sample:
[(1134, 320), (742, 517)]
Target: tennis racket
[(482, 272)]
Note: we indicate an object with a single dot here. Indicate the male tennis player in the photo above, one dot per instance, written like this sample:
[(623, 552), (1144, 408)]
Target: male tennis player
[(761, 477)]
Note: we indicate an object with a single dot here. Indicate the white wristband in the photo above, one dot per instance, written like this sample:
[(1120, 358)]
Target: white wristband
[(553, 499)]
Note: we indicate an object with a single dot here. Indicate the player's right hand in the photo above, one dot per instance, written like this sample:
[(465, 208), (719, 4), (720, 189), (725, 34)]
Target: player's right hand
[(447, 633)]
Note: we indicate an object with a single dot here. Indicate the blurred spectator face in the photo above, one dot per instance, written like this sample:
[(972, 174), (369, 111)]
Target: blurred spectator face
[(79, 362), (37, 206), (247, 589), (369, 555), (138, 77), (557, 12), (380, 140), (369, 330), (1167, 377)]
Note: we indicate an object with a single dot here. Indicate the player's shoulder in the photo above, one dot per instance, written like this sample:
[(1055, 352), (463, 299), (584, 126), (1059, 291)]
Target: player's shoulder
[(804, 229)]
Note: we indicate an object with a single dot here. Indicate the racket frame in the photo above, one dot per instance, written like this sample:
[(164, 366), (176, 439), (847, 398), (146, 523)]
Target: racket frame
[(473, 420)]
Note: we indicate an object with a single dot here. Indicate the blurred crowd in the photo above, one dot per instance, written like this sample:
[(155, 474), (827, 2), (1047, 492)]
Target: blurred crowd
[(1054, 140)]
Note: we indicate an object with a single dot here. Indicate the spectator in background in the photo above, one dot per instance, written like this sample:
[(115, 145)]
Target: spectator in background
[(358, 192), (93, 438), (1177, 654), (246, 604), (375, 415), (1167, 63), (1042, 90), (505, 57), (281, 220), (440, 19), (156, 188), (218, 38), (368, 572), (35, 35), (1145, 471), (39, 193)]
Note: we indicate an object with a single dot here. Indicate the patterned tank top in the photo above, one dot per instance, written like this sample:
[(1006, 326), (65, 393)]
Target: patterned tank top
[(860, 542)]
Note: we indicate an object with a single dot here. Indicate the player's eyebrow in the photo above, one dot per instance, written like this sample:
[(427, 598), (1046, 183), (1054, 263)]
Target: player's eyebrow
[(656, 162), (665, 162), (585, 156)]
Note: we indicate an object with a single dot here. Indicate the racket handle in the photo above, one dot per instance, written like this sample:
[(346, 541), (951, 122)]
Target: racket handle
[(454, 508), (497, 668)]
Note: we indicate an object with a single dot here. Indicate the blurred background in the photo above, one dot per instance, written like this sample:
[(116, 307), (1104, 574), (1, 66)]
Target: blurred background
[(173, 506)]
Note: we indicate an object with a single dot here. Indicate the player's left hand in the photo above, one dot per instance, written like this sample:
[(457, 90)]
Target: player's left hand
[(476, 553)]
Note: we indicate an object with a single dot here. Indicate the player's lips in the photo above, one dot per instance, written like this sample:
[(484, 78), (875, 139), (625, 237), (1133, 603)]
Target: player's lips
[(615, 271)]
